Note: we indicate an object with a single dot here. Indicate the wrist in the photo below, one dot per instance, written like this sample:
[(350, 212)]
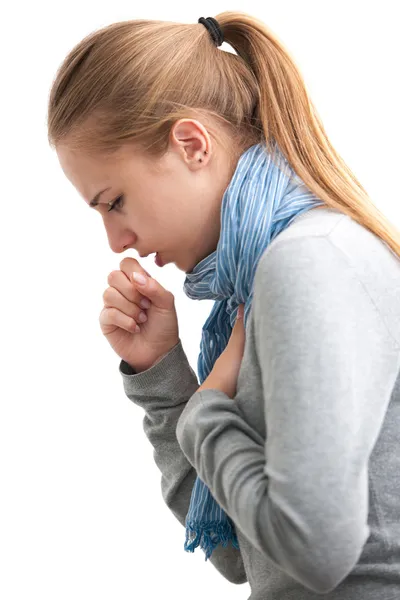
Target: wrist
[(140, 367)]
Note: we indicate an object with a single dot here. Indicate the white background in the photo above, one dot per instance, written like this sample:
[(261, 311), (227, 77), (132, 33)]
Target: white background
[(81, 512)]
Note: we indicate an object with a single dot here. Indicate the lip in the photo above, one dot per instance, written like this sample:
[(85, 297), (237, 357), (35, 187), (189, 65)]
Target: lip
[(146, 255), (159, 261)]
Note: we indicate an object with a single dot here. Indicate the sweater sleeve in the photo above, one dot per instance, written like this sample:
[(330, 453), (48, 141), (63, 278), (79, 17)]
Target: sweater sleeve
[(301, 494), (162, 391)]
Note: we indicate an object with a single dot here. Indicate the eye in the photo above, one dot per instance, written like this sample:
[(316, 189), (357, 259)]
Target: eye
[(117, 202)]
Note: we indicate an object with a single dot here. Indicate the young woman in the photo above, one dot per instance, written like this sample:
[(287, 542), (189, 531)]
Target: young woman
[(283, 464)]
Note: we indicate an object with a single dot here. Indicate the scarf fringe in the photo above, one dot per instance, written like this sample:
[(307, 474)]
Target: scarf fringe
[(209, 535)]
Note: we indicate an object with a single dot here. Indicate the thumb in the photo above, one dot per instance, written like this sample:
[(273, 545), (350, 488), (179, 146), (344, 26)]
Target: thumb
[(146, 285)]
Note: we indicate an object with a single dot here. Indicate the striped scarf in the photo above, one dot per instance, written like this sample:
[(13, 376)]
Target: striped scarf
[(263, 197)]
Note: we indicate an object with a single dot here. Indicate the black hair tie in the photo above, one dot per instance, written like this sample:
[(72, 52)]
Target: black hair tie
[(213, 27)]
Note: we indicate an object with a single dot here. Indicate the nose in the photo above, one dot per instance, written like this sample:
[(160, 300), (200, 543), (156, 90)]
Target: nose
[(117, 238), (119, 249), (117, 246)]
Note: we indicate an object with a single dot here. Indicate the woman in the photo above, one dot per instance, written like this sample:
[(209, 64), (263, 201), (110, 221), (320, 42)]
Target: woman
[(283, 464)]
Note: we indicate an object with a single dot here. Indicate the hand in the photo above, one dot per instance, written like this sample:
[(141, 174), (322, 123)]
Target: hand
[(225, 371), (119, 317)]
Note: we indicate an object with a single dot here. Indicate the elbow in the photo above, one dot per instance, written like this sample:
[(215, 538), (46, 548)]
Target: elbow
[(324, 581), (327, 566), (321, 558)]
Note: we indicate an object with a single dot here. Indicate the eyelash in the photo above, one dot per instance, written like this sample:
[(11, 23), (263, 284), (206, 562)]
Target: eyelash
[(117, 202)]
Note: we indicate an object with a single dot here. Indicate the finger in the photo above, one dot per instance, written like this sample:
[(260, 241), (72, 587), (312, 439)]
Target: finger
[(112, 298), (111, 316), (128, 265), (159, 296), (119, 281), (239, 315)]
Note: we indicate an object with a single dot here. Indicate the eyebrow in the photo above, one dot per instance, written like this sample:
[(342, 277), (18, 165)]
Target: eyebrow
[(95, 200)]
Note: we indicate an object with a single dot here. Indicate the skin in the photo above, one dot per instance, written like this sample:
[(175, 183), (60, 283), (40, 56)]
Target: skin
[(171, 206)]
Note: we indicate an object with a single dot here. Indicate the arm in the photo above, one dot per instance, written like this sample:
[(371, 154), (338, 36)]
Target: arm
[(325, 357), (162, 391)]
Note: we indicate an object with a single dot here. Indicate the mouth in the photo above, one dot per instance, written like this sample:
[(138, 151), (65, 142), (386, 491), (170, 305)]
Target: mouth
[(157, 258), (159, 261)]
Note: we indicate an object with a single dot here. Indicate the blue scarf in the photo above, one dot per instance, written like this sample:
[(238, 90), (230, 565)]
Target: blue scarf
[(263, 197)]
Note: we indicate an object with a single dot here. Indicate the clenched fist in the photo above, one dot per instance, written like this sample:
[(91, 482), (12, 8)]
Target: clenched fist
[(120, 316)]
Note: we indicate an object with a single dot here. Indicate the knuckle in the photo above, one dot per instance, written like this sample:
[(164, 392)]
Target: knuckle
[(127, 263), (107, 295), (111, 276)]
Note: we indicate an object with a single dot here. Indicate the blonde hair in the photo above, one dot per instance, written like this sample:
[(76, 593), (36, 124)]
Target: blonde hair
[(130, 81)]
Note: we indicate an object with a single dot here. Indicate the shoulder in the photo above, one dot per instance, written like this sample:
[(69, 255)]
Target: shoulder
[(306, 276), (293, 261)]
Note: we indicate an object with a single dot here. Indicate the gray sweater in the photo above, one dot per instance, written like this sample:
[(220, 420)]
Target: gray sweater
[(306, 458)]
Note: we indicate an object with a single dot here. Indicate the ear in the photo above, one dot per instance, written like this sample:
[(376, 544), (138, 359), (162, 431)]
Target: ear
[(192, 141)]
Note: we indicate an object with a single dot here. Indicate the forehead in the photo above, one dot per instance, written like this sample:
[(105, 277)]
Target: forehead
[(88, 174), (79, 163), (76, 163)]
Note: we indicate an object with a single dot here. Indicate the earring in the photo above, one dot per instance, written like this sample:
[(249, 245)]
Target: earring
[(205, 152)]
